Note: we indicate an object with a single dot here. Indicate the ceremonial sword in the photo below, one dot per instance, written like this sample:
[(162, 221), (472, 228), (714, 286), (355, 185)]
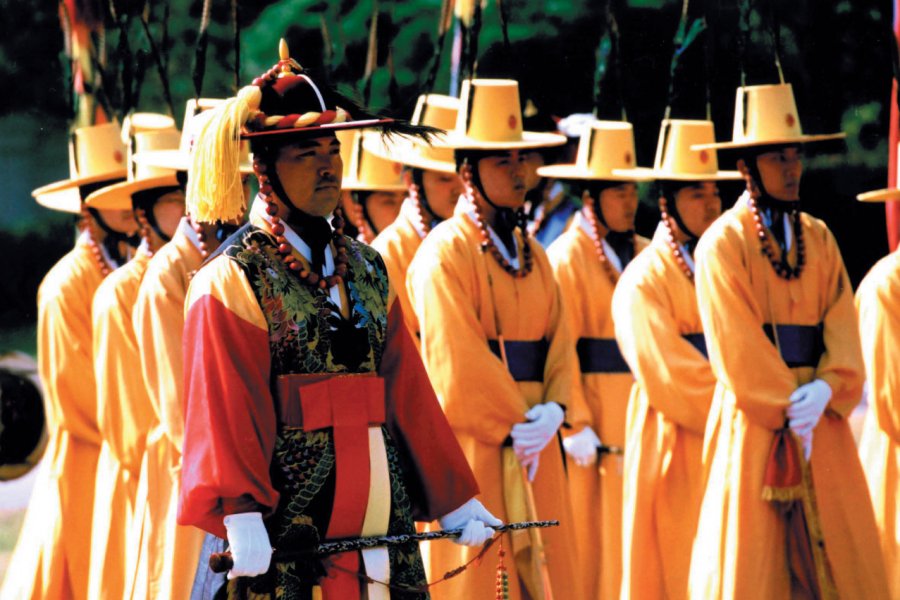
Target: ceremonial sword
[(221, 562), (603, 450)]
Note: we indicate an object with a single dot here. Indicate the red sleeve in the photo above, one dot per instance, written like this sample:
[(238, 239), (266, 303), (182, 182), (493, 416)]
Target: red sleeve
[(230, 423), (438, 478)]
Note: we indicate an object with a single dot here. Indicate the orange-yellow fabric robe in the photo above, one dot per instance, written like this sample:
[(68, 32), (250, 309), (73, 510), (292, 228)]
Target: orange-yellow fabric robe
[(878, 298), (586, 292), (397, 245), (740, 550), (168, 550), (655, 310), (456, 307), (124, 415), (51, 557)]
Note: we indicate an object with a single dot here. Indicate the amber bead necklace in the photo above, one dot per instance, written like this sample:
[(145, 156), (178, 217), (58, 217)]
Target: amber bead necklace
[(487, 243), (782, 268), (673, 243), (593, 221)]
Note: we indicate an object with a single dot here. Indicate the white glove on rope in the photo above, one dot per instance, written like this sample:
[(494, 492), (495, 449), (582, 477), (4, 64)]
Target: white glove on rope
[(249, 544), (808, 402), (582, 447), (475, 521), (532, 437)]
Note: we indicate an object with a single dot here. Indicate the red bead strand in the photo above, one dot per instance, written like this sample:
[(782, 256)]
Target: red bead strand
[(487, 244), (415, 197), (89, 226), (286, 250), (594, 223), (782, 269), (673, 244)]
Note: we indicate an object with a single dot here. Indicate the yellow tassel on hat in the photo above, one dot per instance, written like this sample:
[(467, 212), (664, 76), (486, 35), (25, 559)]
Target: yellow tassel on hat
[(214, 190)]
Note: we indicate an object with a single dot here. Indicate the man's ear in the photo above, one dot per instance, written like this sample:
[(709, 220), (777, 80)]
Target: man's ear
[(742, 167), (407, 177)]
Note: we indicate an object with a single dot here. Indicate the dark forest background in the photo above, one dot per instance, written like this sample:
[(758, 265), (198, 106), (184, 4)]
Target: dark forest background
[(836, 53)]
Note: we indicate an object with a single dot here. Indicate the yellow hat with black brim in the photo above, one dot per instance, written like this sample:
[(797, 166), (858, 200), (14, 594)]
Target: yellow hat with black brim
[(433, 110), (141, 176), (368, 171), (605, 153), (676, 161), (490, 118), (766, 115), (196, 113), (96, 154)]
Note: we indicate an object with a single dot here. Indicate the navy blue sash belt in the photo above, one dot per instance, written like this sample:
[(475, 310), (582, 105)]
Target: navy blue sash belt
[(526, 358), (801, 345), (697, 341), (600, 355)]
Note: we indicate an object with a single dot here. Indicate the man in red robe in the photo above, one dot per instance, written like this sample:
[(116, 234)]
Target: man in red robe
[(308, 412)]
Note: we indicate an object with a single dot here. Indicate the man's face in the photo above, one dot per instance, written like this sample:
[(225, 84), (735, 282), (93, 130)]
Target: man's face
[(780, 172), (533, 160), (310, 173), (619, 206), (121, 221), (699, 205), (383, 208), (442, 191), (168, 211), (503, 178)]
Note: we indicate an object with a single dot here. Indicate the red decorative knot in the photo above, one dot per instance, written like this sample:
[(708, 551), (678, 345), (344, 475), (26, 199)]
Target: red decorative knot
[(414, 196), (589, 210), (673, 244), (704, 156), (487, 243), (117, 156), (286, 250), (790, 120), (782, 268), (628, 158), (502, 581), (88, 224), (512, 121)]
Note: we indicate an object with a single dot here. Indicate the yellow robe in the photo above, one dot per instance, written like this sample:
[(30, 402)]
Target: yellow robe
[(124, 415), (879, 326), (586, 292), (740, 548), (51, 557), (448, 285), (397, 245), (654, 307), (168, 550)]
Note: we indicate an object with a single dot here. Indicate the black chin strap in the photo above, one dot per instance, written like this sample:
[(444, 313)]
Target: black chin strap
[(113, 238), (776, 209), (622, 242), (315, 231), (505, 219), (418, 177)]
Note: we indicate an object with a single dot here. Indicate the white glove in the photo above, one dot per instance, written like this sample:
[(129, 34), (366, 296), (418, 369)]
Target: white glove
[(475, 521), (249, 544), (530, 463), (582, 447), (543, 423), (808, 402), (806, 441)]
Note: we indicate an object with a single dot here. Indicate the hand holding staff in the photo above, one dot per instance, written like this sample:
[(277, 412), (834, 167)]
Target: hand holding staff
[(221, 562)]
